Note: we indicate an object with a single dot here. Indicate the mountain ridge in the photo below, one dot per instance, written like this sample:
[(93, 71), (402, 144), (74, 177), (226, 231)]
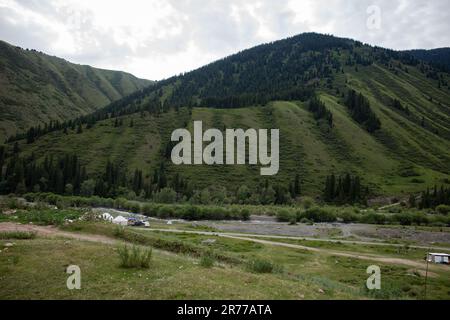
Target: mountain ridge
[(36, 88), (273, 86)]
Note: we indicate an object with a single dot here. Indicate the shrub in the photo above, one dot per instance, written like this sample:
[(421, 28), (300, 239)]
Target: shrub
[(443, 209), (307, 202), (317, 214), (348, 216), (165, 212), (134, 257), (261, 266), (404, 219), (166, 195), (192, 212), (119, 231), (207, 261), (373, 218), (245, 214), (285, 215)]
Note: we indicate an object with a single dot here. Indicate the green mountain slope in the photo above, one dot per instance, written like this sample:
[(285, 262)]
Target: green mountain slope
[(270, 87), (36, 88)]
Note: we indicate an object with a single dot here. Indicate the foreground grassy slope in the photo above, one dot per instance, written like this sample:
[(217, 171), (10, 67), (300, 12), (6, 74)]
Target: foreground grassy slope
[(35, 269), (36, 88)]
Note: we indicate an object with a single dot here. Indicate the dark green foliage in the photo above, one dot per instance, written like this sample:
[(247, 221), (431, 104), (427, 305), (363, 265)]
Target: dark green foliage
[(439, 58), (2, 160), (345, 189), (320, 111), (285, 215), (432, 199), (261, 266), (24, 175), (361, 111), (317, 214), (396, 104)]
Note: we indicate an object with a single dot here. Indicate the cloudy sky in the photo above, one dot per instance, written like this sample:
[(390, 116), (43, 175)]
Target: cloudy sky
[(155, 39)]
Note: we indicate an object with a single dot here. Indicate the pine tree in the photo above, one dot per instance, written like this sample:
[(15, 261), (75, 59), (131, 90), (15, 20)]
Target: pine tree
[(297, 186), (2, 160), (16, 148), (412, 201)]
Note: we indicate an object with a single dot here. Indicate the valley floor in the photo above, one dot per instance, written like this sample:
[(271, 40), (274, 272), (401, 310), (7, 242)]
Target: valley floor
[(303, 268)]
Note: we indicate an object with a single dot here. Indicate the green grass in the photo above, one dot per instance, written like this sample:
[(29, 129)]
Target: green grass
[(44, 216), (134, 257), (20, 235), (35, 269)]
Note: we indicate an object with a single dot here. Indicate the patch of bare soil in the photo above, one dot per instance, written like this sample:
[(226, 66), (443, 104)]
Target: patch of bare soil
[(361, 232), (423, 273), (404, 234)]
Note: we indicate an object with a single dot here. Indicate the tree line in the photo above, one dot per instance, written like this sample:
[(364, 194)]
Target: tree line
[(65, 175), (431, 199), (361, 111), (345, 189)]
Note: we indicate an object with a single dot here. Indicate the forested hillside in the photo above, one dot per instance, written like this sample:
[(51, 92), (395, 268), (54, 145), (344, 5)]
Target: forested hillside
[(375, 117)]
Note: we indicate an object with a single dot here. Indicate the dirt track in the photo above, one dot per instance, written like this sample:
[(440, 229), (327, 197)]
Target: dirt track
[(369, 257)]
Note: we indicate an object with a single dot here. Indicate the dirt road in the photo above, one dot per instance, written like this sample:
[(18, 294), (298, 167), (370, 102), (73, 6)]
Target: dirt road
[(264, 236), (370, 257)]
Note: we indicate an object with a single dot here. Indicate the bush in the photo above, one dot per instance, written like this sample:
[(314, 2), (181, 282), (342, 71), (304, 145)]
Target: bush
[(166, 195), (317, 214), (285, 215), (373, 218), (245, 214), (348, 216), (134, 257), (404, 219), (165, 212), (207, 261), (307, 202), (261, 266), (443, 209), (119, 231)]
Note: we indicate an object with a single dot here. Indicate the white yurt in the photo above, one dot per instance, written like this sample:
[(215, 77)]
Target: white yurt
[(121, 221)]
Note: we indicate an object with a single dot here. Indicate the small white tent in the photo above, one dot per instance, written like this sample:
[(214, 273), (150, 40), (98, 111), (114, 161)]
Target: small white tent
[(121, 221), (107, 217)]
